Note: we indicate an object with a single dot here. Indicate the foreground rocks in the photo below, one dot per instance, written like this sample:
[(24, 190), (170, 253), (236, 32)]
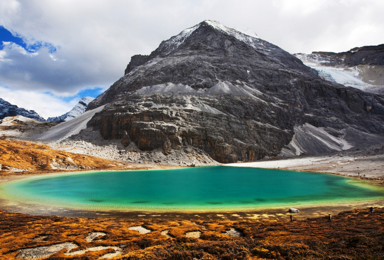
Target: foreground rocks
[(355, 234)]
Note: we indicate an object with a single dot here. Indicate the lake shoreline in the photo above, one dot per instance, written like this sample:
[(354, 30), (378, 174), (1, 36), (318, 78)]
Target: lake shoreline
[(267, 234), (308, 209)]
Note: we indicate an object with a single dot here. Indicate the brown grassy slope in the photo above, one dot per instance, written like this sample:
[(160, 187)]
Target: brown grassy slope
[(35, 157), (351, 235)]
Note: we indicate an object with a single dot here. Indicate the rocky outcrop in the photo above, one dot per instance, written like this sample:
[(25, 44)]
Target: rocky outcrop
[(136, 61), (236, 97), (7, 109)]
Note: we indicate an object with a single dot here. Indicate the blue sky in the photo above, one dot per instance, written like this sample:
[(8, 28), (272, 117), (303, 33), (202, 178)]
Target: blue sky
[(52, 53)]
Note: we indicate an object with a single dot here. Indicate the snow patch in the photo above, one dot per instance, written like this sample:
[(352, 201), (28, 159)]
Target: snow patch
[(252, 41)]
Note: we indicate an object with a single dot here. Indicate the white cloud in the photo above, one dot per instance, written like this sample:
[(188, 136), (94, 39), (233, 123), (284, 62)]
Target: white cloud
[(43, 71), (44, 104)]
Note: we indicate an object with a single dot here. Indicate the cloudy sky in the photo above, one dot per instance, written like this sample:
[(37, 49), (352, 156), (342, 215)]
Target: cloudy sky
[(53, 52)]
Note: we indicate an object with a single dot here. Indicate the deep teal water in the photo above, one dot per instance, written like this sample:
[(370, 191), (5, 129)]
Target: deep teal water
[(200, 188)]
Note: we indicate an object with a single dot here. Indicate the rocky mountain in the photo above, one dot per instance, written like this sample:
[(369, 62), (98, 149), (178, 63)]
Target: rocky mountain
[(360, 67), (7, 109), (220, 92), (77, 110), (366, 55)]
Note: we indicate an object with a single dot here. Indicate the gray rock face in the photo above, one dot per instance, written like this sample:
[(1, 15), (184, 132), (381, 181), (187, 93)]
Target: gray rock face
[(236, 97), (7, 109), (136, 61)]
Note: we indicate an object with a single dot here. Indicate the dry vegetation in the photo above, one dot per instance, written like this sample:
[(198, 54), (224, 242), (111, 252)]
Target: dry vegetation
[(22, 157), (355, 234), (32, 157)]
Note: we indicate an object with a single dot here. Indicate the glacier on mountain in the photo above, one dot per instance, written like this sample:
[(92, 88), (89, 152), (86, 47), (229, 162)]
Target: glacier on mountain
[(364, 77)]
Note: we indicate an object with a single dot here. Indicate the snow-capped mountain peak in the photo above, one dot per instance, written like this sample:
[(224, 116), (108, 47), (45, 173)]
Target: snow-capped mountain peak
[(75, 111), (258, 44), (235, 32), (179, 39)]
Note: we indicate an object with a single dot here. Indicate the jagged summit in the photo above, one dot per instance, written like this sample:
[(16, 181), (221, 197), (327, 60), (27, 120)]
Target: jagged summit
[(174, 42), (212, 36), (168, 46)]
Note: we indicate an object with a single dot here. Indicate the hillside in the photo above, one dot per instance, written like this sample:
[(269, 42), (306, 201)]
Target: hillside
[(30, 157)]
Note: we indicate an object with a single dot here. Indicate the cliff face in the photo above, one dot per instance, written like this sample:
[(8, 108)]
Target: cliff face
[(236, 97)]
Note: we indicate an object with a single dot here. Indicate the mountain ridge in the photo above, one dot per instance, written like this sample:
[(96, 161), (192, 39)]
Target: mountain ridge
[(8, 109), (212, 40), (237, 99)]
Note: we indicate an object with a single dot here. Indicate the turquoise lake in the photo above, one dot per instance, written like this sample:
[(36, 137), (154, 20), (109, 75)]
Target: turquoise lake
[(199, 188)]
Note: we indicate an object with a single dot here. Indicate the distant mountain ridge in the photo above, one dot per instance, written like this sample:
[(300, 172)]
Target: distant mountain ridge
[(360, 67), (366, 55), (7, 109), (77, 110)]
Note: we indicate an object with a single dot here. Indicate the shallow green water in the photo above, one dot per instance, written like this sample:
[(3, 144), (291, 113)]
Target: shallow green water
[(200, 188)]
